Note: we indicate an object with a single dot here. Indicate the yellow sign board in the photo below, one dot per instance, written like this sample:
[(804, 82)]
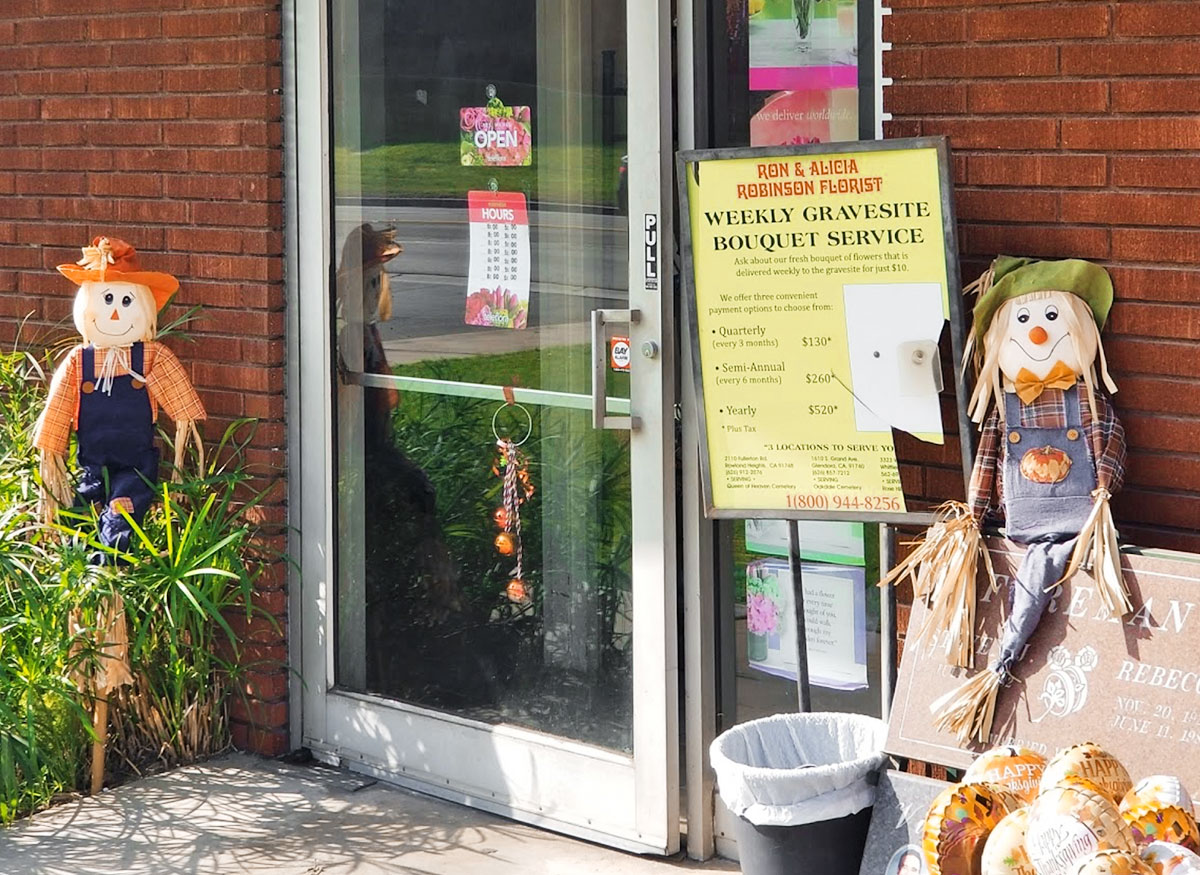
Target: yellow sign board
[(820, 292)]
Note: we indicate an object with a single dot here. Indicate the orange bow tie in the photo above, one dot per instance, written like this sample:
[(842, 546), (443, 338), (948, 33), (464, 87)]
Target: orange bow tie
[(1029, 388)]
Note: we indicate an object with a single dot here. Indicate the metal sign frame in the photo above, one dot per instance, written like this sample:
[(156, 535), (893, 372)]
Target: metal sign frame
[(685, 162)]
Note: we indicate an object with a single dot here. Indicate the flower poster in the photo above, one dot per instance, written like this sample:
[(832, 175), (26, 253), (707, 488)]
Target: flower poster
[(835, 622), (498, 276), (797, 118), (802, 45), (496, 135)]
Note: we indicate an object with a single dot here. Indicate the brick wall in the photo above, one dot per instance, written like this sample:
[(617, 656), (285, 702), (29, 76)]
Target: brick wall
[(1075, 133), (159, 121)]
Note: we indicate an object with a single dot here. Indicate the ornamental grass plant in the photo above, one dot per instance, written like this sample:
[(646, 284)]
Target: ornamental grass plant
[(189, 572)]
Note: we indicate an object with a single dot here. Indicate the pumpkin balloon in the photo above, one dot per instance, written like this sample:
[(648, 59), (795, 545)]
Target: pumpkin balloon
[(1068, 823), (1004, 851), (1113, 863), (1171, 859), (959, 822), (1167, 823), (1092, 762), (1159, 790), (1017, 769)]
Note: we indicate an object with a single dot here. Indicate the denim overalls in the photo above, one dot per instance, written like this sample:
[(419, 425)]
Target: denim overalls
[(1046, 516), (117, 457)]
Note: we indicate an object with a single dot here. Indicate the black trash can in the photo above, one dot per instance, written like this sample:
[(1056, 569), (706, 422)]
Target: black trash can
[(802, 787)]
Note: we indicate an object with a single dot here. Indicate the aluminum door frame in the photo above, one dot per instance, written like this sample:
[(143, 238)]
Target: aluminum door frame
[(623, 801)]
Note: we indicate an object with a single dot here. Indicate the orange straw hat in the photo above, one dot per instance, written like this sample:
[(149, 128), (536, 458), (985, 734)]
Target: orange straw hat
[(116, 261), (367, 246)]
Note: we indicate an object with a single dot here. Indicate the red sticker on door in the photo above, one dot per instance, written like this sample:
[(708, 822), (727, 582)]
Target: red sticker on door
[(619, 353)]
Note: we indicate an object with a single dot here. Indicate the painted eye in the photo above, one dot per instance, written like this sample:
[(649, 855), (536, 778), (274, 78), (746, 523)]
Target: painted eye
[(1022, 315), (108, 298), (1051, 313), (126, 301)]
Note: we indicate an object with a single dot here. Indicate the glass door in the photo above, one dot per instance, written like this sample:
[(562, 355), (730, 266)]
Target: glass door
[(494, 615)]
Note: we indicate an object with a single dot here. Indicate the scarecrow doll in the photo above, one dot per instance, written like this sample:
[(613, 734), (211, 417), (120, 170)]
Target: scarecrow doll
[(109, 389), (365, 300), (1051, 454)]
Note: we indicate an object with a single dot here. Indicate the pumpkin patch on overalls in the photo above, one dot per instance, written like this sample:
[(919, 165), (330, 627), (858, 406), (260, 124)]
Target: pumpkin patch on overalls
[(1046, 465)]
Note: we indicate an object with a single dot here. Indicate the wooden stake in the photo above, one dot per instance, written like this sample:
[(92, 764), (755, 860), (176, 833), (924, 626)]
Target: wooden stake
[(100, 725)]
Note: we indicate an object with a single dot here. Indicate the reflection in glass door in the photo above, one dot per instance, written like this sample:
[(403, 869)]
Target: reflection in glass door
[(477, 177)]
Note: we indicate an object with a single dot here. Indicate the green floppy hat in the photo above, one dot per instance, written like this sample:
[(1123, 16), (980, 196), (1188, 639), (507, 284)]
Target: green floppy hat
[(1013, 277)]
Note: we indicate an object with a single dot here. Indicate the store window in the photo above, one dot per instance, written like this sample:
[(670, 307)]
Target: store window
[(790, 72), (794, 72), (483, 525)]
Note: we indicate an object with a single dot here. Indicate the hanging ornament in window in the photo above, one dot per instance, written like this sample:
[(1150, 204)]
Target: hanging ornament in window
[(512, 466)]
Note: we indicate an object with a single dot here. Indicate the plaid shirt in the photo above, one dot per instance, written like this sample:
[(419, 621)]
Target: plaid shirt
[(166, 381), (1106, 446)]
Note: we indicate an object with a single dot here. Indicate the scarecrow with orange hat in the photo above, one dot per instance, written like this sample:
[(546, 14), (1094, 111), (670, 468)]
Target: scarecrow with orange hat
[(108, 391), (1052, 454), (364, 298)]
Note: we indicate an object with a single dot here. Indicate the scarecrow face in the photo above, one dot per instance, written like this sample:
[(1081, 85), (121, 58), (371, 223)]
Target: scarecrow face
[(114, 313), (1038, 335)]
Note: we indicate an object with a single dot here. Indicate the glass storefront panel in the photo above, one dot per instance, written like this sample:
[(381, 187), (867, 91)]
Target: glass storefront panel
[(487, 142), (792, 72), (840, 566)]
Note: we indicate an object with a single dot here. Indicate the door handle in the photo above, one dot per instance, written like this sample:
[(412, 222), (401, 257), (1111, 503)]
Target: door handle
[(600, 417)]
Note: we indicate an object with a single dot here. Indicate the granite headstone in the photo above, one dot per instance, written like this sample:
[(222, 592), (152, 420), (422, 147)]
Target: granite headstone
[(897, 821), (1130, 685)]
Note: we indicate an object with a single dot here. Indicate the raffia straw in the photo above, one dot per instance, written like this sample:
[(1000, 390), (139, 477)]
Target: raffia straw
[(943, 568), (114, 669), (199, 442), (969, 710), (181, 439), (186, 431), (973, 352), (1097, 549), (56, 485)]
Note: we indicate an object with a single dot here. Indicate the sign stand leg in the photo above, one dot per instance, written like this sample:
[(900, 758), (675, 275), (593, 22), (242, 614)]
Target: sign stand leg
[(887, 621), (802, 689)]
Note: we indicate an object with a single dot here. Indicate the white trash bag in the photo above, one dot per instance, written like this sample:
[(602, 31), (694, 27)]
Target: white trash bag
[(792, 769)]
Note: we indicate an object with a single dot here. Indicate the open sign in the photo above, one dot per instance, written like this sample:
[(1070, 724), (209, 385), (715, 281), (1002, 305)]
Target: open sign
[(496, 139)]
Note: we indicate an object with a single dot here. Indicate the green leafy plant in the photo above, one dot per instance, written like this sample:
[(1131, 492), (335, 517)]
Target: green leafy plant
[(187, 588), (488, 657)]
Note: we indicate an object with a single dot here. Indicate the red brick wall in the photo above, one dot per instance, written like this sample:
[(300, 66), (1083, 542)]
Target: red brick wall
[(159, 121), (1075, 133)]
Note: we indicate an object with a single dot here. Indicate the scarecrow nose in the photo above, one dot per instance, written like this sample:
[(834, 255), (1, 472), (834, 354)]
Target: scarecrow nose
[(115, 318), (1037, 334)]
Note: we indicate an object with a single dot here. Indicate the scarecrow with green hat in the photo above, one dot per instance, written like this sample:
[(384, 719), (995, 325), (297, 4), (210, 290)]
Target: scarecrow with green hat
[(1051, 454)]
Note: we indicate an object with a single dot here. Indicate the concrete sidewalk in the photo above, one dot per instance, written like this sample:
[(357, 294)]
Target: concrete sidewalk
[(242, 814)]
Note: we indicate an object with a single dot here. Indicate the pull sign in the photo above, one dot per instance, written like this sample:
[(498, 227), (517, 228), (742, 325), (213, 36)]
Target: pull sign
[(619, 354), (651, 228)]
